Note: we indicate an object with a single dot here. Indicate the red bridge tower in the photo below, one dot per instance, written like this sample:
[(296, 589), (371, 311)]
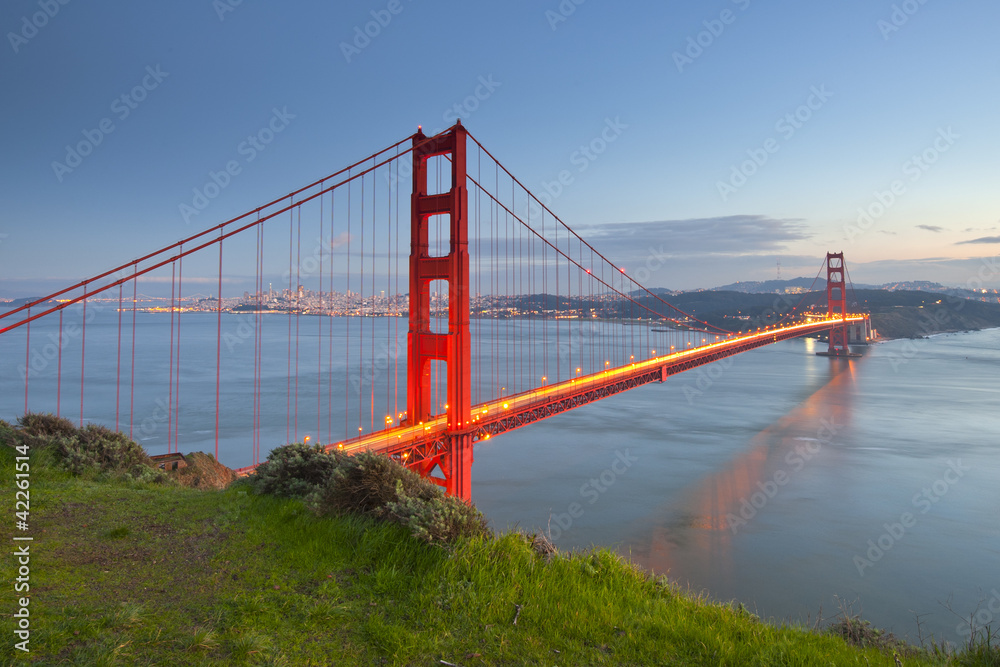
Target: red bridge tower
[(836, 303), (453, 347)]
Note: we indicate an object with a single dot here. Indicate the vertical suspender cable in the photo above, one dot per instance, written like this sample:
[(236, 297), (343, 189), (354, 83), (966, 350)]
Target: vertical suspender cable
[(177, 377), (170, 362), (329, 382), (299, 294), (59, 370), (395, 295), (118, 367), (319, 326), (347, 344), (218, 351), (27, 360), (131, 382), (361, 324), (374, 239), (83, 352), (288, 385)]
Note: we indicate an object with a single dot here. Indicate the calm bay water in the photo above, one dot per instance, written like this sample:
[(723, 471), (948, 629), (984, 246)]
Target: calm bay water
[(789, 482), (784, 481)]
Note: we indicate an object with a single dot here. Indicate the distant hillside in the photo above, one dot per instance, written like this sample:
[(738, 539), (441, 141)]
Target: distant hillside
[(768, 286), (17, 303), (914, 314), (895, 314), (797, 285)]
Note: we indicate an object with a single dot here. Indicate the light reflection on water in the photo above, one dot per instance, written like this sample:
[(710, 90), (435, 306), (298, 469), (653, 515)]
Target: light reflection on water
[(767, 486)]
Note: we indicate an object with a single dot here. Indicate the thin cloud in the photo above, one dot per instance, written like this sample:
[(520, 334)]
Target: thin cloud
[(982, 239), (731, 235), (931, 228)]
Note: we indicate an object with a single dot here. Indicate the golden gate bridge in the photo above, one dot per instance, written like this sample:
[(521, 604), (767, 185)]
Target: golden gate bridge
[(499, 292)]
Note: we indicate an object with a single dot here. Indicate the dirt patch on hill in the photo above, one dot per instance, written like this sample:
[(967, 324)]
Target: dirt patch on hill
[(203, 472)]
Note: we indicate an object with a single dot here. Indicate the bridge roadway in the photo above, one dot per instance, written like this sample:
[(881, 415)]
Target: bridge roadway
[(422, 445)]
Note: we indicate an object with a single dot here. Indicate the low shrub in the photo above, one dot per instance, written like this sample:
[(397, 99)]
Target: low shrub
[(377, 486), (46, 425), (294, 471), (92, 449), (99, 448), (366, 483), (8, 436), (38, 430), (439, 519), (859, 632)]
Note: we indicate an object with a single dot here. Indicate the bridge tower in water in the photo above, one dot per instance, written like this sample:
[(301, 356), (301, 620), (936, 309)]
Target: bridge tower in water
[(836, 304)]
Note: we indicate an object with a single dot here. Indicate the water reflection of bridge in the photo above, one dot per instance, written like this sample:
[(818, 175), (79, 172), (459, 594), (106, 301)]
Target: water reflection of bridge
[(697, 532)]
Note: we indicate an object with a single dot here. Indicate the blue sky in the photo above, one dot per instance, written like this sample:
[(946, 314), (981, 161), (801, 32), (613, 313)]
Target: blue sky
[(745, 132)]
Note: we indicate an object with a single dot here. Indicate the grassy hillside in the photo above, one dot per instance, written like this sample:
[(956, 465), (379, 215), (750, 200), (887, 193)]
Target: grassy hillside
[(139, 573)]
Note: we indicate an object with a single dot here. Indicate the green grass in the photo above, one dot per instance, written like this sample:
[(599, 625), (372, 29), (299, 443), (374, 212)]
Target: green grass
[(125, 573)]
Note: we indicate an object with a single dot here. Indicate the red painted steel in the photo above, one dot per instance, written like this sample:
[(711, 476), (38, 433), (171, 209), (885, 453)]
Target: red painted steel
[(836, 300), (453, 347)]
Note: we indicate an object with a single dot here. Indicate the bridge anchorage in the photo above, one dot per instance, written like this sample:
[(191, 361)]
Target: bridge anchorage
[(511, 317)]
